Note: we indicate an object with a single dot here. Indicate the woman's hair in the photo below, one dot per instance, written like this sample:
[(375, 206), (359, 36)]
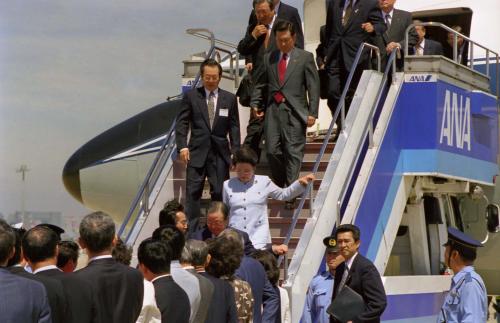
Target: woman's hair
[(226, 252), (270, 265), (245, 155)]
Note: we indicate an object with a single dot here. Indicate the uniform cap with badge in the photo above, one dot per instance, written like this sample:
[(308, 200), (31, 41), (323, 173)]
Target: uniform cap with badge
[(331, 244), (457, 237)]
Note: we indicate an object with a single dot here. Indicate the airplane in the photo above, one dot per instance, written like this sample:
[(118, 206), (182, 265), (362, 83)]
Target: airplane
[(107, 172)]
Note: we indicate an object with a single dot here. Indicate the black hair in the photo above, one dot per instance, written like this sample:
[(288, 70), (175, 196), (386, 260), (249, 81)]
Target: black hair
[(155, 255), (285, 25), (269, 2), (218, 206), (210, 62), (39, 244), (97, 231), (169, 211), (173, 237), (245, 155), (356, 233), (468, 254), (68, 250), (269, 263), (19, 233), (122, 253), (7, 240)]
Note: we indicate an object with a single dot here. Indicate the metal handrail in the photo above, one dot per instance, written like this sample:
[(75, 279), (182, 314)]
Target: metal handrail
[(339, 110), (456, 35), (141, 198)]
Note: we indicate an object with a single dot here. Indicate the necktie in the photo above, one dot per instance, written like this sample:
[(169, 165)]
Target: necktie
[(347, 12), (278, 96), (344, 279), (388, 21), (211, 108), (268, 35)]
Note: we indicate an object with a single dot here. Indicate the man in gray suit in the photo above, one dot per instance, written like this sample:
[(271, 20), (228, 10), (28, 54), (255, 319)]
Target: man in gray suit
[(396, 22), (292, 84)]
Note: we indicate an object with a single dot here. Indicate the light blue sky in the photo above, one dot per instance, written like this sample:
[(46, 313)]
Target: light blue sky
[(69, 70)]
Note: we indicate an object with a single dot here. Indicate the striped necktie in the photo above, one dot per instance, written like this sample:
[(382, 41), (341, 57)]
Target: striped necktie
[(211, 108)]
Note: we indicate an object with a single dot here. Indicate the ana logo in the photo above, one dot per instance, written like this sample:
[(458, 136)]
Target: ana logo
[(420, 78), (455, 124)]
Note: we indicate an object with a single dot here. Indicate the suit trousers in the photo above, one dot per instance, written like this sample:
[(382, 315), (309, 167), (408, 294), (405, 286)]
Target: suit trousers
[(255, 131), (217, 171), (337, 79), (285, 135)]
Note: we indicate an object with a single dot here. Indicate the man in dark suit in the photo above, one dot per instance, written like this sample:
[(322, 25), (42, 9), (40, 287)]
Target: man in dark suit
[(462, 46), (117, 289), (396, 21), (40, 246), (359, 274), (349, 23), (212, 114), (154, 263), (21, 299), (259, 40), (222, 307), (217, 221), (291, 82), (39, 249), (425, 46)]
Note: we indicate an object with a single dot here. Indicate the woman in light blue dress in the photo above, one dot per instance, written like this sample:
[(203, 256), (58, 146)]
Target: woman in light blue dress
[(247, 194)]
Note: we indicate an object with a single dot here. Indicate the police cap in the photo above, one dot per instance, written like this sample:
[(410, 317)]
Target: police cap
[(456, 236), (331, 244)]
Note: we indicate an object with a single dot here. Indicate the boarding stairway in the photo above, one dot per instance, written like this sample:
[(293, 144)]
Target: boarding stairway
[(389, 141)]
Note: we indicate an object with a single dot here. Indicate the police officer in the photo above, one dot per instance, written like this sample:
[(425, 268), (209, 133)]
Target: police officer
[(466, 301), (319, 294)]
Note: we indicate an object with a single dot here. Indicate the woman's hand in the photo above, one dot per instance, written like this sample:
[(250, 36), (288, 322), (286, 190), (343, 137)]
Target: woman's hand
[(304, 180)]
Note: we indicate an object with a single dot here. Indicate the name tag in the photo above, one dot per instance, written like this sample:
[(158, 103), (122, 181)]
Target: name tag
[(223, 112)]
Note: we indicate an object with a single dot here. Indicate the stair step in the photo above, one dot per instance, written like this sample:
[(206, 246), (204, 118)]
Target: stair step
[(315, 147)]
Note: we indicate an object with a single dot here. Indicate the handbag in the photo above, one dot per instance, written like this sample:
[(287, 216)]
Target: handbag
[(244, 92), (347, 305)]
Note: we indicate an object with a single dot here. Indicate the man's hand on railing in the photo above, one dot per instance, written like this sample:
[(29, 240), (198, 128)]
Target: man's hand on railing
[(311, 121), (279, 249), (304, 180), (391, 46), (259, 114), (184, 155)]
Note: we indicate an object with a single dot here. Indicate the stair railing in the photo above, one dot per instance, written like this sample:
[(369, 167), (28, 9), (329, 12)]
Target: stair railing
[(339, 110), (140, 205)]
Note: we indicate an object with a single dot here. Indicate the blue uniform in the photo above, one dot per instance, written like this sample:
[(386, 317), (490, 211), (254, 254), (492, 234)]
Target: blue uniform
[(247, 204), (466, 301), (319, 296)]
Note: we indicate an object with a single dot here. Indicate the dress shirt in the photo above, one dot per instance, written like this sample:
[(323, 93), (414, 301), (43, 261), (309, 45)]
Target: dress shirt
[(319, 296), (466, 301), (49, 267), (349, 261), (189, 283), (150, 312), (391, 15), (247, 204), (419, 48), (100, 257)]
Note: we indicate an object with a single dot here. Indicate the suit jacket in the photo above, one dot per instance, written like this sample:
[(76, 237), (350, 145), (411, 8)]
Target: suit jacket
[(343, 42), (194, 115), (222, 308), (300, 87), (81, 306), (55, 293), (264, 294), (30, 306), (117, 290), (288, 13), (396, 33), (364, 279), (207, 292), (431, 47), (462, 52), (172, 300), (205, 234)]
